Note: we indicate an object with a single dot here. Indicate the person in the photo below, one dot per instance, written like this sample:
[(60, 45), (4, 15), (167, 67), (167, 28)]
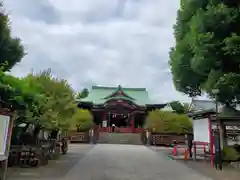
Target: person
[(64, 146), (174, 143), (190, 144), (113, 127)]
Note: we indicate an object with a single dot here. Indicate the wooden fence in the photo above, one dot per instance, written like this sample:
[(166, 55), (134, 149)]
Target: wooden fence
[(163, 139), (79, 137)]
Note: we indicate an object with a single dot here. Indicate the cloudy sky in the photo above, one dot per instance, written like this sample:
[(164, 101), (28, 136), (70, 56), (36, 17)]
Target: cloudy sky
[(99, 42)]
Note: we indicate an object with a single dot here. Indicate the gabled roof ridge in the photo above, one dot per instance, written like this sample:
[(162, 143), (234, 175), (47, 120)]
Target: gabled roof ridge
[(114, 88), (117, 90), (203, 100), (118, 96)]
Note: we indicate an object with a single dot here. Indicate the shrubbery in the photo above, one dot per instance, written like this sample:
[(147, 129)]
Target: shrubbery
[(82, 121), (169, 122), (230, 154)]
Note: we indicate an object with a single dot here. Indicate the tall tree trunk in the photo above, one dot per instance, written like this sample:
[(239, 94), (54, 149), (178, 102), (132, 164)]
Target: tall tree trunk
[(223, 135), (36, 132)]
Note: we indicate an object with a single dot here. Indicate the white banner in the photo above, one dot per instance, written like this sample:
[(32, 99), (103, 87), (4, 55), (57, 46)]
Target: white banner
[(4, 126)]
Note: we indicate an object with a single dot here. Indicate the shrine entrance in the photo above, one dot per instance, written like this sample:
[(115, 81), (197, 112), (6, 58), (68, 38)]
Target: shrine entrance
[(119, 120)]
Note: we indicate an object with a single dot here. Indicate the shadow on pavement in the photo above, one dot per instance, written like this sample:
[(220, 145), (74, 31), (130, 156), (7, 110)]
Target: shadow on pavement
[(203, 167), (55, 168)]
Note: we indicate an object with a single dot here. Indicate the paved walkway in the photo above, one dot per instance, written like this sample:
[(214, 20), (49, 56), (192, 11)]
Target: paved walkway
[(122, 162)]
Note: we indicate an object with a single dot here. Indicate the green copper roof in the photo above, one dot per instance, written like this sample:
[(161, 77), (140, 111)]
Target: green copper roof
[(118, 97), (99, 95)]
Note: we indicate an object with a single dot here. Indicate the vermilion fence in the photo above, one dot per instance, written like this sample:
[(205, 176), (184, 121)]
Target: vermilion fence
[(138, 130), (103, 129)]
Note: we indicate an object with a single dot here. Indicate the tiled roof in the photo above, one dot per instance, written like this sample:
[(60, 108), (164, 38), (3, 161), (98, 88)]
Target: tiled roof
[(98, 94), (205, 105), (200, 105)]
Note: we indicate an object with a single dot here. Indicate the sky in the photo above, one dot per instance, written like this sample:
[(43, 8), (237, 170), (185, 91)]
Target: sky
[(99, 42)]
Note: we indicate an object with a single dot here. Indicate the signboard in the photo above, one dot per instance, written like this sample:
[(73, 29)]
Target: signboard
[(104, 124), (201, 130), (4, 128)]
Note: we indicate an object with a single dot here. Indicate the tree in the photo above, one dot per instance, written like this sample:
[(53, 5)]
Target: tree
[(40, 99), (11, 50), (164, 121), (59, 104), (207, 49), (16, 95), (82, 120), (83, 94), (177, 107), (23, 100)]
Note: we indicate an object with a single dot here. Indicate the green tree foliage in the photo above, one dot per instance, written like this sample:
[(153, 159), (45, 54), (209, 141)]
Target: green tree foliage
[(39, 99), (58, 106), (168, 122), (11, 50), (207, 51), (83, 94), (82, 121), (177, 107), (16, 95)]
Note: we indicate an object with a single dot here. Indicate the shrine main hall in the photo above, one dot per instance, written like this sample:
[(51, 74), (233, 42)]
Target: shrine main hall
[(126, 108)]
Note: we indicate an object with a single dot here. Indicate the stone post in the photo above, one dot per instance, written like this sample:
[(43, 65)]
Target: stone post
[(148, 135)]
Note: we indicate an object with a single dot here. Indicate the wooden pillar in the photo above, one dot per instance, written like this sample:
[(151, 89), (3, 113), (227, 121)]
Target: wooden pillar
[(108, 122), (133, 124), (104, 115), (211, 138)]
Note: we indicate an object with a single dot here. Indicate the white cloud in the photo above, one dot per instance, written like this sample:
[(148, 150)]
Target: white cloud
[(104, 42)]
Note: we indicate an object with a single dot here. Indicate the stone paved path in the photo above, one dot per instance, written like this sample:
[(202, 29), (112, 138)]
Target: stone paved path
[(121, 162)]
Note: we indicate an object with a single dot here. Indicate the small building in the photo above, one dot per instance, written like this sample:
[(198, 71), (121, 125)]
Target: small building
[(209, 117), (126, 108)]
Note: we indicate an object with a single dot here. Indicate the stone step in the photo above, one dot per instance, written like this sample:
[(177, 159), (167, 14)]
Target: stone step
[(120, 138)]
